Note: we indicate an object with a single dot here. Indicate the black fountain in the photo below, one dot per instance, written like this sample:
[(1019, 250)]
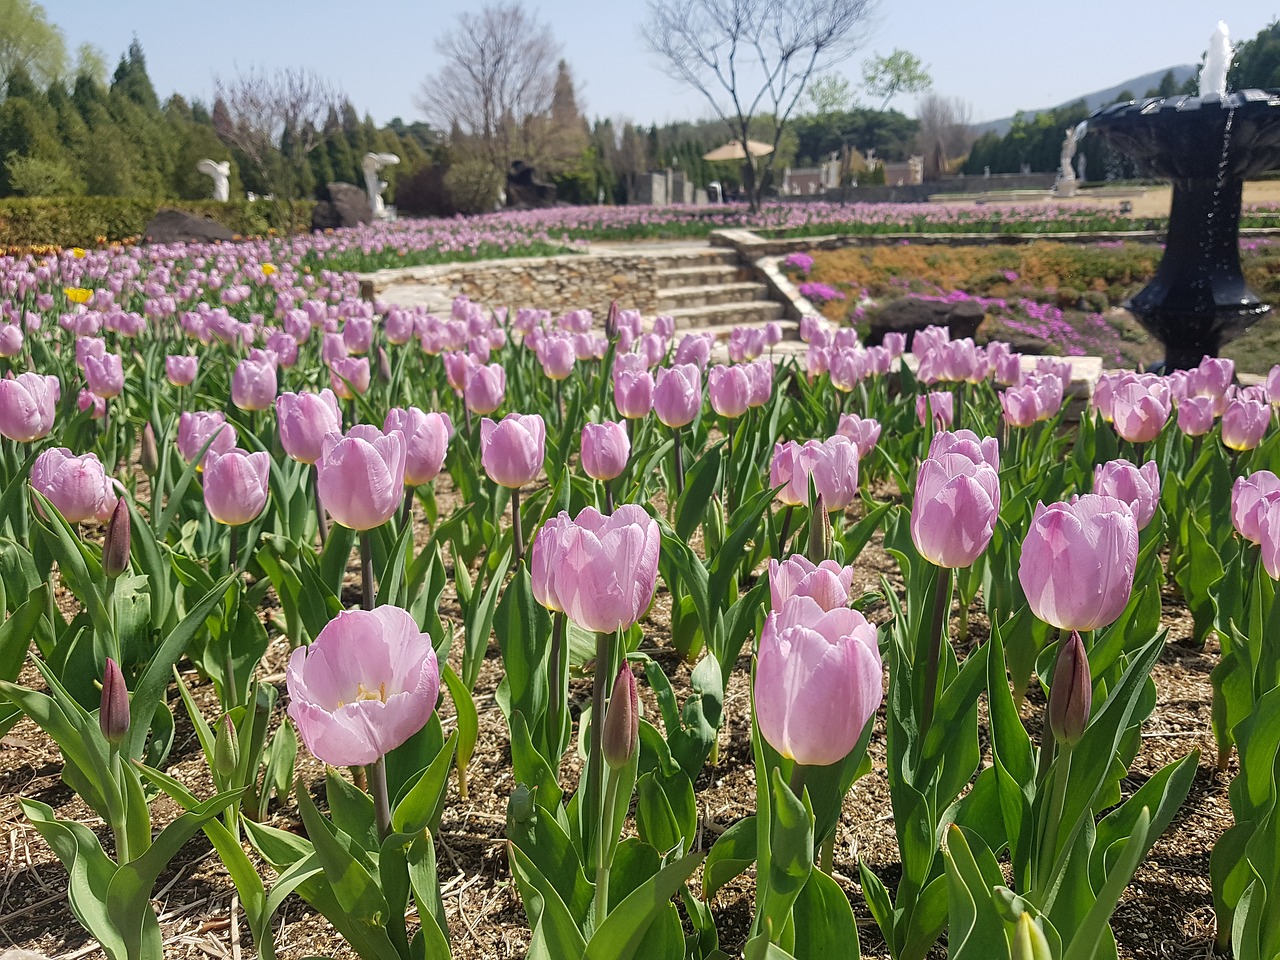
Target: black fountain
[(1207, 146)]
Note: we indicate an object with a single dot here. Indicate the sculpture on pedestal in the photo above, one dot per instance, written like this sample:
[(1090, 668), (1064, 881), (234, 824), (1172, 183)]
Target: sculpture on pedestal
[(373, 162), (220, 171)]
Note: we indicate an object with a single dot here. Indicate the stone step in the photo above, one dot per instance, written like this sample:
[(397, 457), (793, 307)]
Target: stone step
[(725, 314), (716, 293), (721, 331), (698, 257), (700, 276)]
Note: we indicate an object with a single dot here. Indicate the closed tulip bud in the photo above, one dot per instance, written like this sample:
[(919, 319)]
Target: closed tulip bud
[(1078, 561), (512, 450), (819, 680), (115, 547), (1071, 693), (621, 734), (113, 714), (150, 451), (820, 534), (384, 365), (1029, 941), (611, 320), (226, 749), (1139, 488), (605, 450)]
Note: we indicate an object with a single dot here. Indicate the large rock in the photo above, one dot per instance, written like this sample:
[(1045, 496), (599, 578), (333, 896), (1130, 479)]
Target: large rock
[(909, 314), (524, 189), (178, 226), (341, 205)]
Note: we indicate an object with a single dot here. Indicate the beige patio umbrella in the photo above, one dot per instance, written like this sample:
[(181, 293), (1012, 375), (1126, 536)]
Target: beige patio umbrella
[(733, 150)]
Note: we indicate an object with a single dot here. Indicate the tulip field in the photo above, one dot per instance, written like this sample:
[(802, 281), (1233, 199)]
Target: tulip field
[(509, 634)]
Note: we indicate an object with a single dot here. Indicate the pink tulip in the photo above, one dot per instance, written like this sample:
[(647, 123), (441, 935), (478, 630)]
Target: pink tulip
[(399, 325), (1050, 390), (349, 376), (181, 369), (556, 354), (1273, 385), (357, 334), (785, 472), (96, 407), (1195, 416), (605, 450), (458, 368), (547, 547), (1139, 411), (360, 477), (833, 466), (426, 437), (235, 485), (11, 339), (729, 389), (827, 583), (196, 428), (513, 449), (77, 486), (941, 405), (1269, 534), (364, 686), (760, 377), (485, 389), (1078, 561), (633, 393), (677, 394), (104, 375), (1021, 406), (896, 343), (864, 432), (87, 347), (1247, 495), (1009, 369), (694, 348), (285, 347), (1244, 423), (1139, 488), (28, 404), (253, 384), (819, 680), (604, 569), (957, 499), (305, 419)]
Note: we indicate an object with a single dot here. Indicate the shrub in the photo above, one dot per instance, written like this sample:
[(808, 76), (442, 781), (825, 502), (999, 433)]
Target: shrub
[(473, 186)]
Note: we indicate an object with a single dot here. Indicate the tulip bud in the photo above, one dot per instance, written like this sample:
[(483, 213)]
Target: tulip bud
[(1071, 695), (113, 715), (115, 547), (611, 321), (820, 534), (226, 749), (521, 807), (622, 721), (384, 365), (150, 452), (1029, 942)]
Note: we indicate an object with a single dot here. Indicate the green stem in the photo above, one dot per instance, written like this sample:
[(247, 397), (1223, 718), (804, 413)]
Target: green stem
[(322, 520), (605, 846), (941, 605), (828, 856), (786, 530), (119, 815), (381, 799), (608, 497), (679, 454), (1047, 862), (555, 702), (516, 532), (595, 757), (367, 596)]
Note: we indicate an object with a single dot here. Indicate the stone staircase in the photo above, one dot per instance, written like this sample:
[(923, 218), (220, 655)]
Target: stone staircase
[(709, 288)]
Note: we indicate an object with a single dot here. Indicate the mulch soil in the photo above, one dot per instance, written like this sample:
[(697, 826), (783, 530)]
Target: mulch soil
[(1166, 912)]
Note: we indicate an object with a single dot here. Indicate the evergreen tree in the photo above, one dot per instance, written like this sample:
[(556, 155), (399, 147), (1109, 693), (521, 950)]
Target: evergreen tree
[(131, 79)]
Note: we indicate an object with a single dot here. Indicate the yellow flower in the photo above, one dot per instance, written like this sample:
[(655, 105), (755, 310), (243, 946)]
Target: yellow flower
[(77, 294), (268, 269), (78, 252)]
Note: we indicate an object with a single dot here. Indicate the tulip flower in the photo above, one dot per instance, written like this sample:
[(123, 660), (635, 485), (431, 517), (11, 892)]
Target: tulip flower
[(605, 450), (113, 710), (305, 419), (832, 465), (729, 389), (253, 384), (363, 687), (181, 369), (11, 339), (783, 473), (604, 569), (1247, 496), (485, 389), (1244, 423), (426, 437), (633, 393), (96, 406), (826, 583), (104, 375), (349, 376), (235, 485), (195, 428), (760, 377), (863, 432), (1078, 561), (1268, 522), (556, 354), (1021, 406), (512, 450), (1273, 385), (28, 403), (1139, 410), (677, 395), (1138, 487), (357, 334), (360, 477), (78, 486), (957, 499), (819, 680), (543, 558), (940, 405), (1195, 416)]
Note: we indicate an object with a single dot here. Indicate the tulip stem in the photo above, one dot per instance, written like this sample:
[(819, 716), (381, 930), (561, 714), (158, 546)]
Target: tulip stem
[(595, 761), (406, 510), (321, 520), (367, 596), (605, 846), (786, 530), (675, 433), (555, 702), (941, 610), (1057, 802), (796, 781), (608, 498), (381, 799), (828, 855), (516, 533)]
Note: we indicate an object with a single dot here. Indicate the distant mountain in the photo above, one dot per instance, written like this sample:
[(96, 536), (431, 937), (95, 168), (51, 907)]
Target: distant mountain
[(1138, 86)]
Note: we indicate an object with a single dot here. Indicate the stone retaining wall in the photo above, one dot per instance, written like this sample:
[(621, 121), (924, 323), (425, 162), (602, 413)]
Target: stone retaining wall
[(557, 284)]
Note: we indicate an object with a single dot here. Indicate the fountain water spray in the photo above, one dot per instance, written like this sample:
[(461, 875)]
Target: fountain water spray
[(1217, 61)]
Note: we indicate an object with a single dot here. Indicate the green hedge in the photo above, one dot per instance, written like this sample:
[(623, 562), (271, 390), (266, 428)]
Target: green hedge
[(86, 221)]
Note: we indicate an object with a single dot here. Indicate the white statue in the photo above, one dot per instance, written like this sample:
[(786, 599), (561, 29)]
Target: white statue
[(1066, 185), (221, 173), (373, 162)]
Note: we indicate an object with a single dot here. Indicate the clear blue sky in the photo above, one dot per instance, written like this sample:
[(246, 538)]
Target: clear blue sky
[(1000, 55)]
